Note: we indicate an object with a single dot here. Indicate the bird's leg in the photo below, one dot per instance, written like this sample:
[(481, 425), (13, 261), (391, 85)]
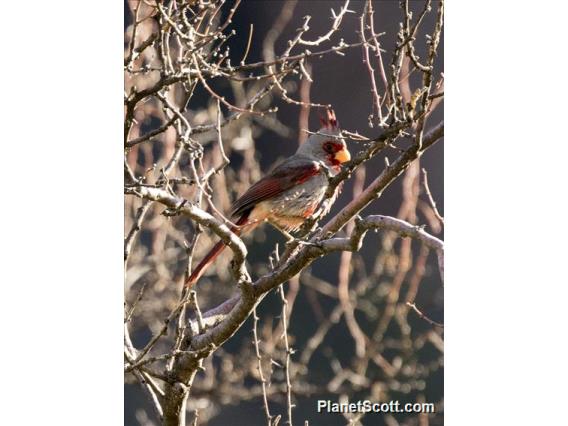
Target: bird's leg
[(290, 239)]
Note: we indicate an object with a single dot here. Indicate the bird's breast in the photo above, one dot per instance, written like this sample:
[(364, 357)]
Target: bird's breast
[(291, 208)]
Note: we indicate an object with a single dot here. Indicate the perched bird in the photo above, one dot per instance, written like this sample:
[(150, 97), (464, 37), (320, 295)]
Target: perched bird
[(292, 192)]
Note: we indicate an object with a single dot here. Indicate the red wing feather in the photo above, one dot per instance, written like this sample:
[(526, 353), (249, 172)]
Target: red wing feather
[(287, 175)]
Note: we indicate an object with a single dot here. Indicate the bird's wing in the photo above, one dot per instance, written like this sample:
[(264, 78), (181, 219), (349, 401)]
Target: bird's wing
[(292, 172)]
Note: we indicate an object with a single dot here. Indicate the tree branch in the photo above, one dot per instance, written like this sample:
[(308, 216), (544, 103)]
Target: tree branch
[(305, 254), (181, 206)]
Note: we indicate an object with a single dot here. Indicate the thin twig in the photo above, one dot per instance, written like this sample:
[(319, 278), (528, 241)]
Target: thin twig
[(424, 317), (136, 227), (260, 369), (289, 352), (248, 44), (367, 60), (430, 198)]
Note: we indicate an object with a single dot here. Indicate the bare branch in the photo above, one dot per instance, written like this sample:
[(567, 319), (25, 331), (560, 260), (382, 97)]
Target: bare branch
[(424, 317), (181, 206), (260, 370), (289, 352), (430, 198), (334, 27)]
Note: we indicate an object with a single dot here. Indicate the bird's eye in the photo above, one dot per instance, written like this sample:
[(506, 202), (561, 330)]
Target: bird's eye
[(328, 147)]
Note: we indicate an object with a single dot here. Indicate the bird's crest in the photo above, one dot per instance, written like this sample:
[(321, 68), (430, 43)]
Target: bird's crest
[(329, 121)]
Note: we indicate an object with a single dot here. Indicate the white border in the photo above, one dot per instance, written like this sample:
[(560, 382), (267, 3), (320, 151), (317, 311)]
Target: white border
[(62, 220), (61, 244), (505, 183)]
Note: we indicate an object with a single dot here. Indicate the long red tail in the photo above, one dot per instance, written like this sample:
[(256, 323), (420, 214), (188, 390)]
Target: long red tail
[(213, 253)]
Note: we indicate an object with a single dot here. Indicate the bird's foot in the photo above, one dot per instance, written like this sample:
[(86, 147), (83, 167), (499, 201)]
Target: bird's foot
[(289, 237)]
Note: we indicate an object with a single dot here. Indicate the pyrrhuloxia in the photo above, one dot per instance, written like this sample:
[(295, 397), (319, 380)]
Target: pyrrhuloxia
[(292, 192)]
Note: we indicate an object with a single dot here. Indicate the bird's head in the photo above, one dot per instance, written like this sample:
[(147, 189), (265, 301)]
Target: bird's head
[(327, 144)]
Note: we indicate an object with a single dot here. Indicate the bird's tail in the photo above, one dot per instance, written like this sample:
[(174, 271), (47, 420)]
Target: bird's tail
[(213, 253)]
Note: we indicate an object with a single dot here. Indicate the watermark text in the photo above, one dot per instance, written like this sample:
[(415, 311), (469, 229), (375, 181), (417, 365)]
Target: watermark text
[(367, 406)]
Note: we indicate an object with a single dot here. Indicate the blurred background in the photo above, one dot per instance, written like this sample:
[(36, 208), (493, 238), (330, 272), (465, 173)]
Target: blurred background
[(403, 356)]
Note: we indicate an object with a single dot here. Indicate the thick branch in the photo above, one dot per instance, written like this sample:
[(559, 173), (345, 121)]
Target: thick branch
[(374, 190), (401, 227)]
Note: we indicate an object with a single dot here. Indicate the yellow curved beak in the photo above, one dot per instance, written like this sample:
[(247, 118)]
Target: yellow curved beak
[(343, 155)]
